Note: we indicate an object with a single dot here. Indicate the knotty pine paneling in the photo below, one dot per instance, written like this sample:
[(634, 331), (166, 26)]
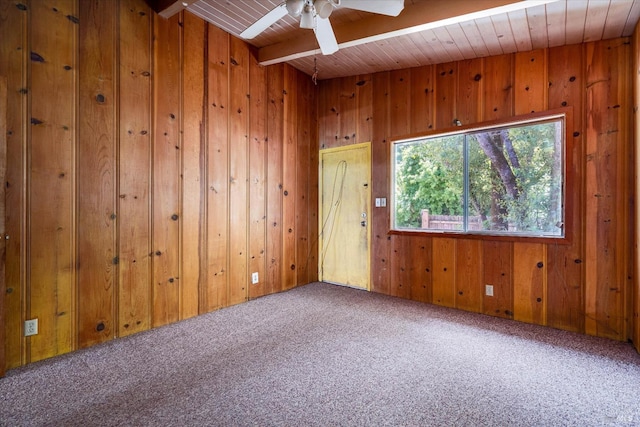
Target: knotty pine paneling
[(274, 201), (96, 217), (3, 224), (634, 311), (216, 285), (239, 277), (134, 168), (144, 155), (565, 266), (607, 191), (52, 144), (13, 66), (380, 241), (579, 286), (258, 140), (194, 155), (166, 165)]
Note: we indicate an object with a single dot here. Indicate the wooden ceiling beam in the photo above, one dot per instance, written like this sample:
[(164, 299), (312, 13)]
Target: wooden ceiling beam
[(168, 8), (417, 16)]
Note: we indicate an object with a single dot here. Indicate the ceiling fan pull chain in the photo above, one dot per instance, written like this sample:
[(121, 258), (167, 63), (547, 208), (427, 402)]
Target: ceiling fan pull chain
[(314, 77)]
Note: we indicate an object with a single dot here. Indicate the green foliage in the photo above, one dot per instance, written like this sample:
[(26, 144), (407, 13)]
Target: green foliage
[(429, 175)]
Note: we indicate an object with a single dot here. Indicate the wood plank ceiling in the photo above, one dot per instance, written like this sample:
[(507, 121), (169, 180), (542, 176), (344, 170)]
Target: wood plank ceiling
[(556, 23)]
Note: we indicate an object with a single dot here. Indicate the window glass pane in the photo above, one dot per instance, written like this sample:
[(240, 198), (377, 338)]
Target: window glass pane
[(429, 181), (515, 180), (504, 180)]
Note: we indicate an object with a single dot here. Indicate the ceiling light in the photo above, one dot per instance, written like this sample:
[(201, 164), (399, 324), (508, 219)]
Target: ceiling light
[(323, 8), (295, 7), (307, 21)]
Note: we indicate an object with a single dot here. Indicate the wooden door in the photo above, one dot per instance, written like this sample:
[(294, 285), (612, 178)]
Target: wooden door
[(345, 204), (3, 231)]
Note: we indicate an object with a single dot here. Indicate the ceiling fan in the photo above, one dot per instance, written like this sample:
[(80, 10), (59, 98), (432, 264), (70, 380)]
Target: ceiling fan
[(314, 14)]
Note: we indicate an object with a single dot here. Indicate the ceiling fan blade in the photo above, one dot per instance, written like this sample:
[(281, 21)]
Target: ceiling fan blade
[(326, 37), (265, 22), (384, 7)]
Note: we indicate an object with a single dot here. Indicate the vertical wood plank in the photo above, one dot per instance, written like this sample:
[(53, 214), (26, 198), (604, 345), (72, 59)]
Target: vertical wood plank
[(565, 278), (217, 169), (167, 169), (469, 87), (497, 87), (421, 267), (469, 273), (444, 271), (51, 274), (14, 56), (275, 132), (401, 267), (312, 188), (134, 168), (194, 166), (364, 106), (606, 212), (96, 217), (400, 102), (446, 82), (289, 185), (3, 229), (529, 283), (348, 111), (329, 109), (529, 269), (257, 175), (422, 99), (380, 157), (530, 81), (303, 171), (498, 271), (239, 277), (635, 309), (399, 124)]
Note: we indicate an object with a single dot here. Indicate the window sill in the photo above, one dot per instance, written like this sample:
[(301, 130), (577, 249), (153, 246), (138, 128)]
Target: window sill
[(483, 236)]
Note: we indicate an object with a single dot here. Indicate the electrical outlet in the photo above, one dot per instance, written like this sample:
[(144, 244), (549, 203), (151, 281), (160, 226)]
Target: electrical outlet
[(488, 290), (254, 278), (30, 327)]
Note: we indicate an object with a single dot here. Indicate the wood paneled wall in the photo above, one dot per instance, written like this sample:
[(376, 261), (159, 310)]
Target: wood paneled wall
[(584, 286), (635, 301), (153, 165)]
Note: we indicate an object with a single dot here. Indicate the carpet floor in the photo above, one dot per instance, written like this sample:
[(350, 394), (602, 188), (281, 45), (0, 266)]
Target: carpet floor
[(325, 355)]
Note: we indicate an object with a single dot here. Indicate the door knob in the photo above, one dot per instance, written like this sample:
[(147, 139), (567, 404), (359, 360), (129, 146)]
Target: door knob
[(363, 223)]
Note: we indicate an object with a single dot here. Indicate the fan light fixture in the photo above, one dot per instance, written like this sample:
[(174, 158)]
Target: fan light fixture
[(295, 7), (323, 8), (307, 20)]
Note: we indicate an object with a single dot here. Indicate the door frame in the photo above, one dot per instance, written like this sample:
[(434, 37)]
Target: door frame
[(367, 146)]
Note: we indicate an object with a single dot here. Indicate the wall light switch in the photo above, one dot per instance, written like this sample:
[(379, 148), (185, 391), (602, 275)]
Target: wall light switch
[(381, 202)]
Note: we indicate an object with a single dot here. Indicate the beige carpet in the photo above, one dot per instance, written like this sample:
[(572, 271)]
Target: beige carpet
[(324, 355)]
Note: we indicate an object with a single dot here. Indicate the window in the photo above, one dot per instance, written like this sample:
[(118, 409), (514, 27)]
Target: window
[(498, 180)]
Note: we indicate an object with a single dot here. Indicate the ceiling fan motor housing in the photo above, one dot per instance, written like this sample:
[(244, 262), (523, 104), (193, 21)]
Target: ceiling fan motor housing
[(321, 8)]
